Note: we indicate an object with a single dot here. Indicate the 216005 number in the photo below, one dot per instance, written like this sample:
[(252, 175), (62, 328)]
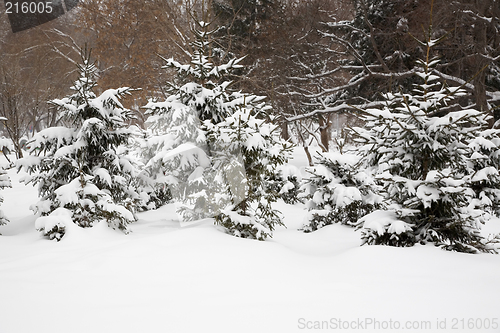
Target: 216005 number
[(474, 323), (28, 7)]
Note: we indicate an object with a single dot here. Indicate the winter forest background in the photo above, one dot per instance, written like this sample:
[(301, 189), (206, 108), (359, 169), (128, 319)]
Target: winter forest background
[(315, 126)]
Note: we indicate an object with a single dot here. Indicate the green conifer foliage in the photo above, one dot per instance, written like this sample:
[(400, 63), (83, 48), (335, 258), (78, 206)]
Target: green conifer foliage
[(421, 152), (338, 191), (214, 147), (80, 168)]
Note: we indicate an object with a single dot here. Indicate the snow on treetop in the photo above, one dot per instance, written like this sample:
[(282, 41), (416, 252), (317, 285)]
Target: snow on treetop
[(224, 68), (103, 174), (245, 220), (189, 154), (201, 60), (428, 194), (384, 113), (478, 156), (170, 62), (432, 42), (255, 141), (4, 180), (67, 150)]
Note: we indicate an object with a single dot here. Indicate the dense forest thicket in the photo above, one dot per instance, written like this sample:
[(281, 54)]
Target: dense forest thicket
[(316, 61)]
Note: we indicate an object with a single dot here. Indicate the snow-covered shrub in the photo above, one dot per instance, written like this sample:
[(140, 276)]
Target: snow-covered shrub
[(383, 227), (287, 181), (80, 167), (211, 146), (4, 182), (338, 191), (421, 153), (154, 195), (54, 225)]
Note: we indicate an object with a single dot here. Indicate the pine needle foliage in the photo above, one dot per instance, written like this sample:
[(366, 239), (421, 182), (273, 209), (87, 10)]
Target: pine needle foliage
[(81, 167), (338, 191), (214, 147), (422, 152)]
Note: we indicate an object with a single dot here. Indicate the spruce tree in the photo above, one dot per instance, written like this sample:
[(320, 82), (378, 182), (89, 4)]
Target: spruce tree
[(213, 147), (251, 175), (175, 148), (421, 152), (78, 167)]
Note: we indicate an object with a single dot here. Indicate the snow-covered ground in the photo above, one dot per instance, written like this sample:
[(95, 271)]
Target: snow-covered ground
[(166, 278)]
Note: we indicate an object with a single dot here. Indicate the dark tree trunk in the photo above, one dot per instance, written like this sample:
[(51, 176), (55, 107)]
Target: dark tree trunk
[(284, 130), (324, 129)]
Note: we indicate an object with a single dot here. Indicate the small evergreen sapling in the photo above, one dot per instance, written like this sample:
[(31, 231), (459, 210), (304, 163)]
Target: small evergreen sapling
[(287, 182), (79, 168), (338, 191)]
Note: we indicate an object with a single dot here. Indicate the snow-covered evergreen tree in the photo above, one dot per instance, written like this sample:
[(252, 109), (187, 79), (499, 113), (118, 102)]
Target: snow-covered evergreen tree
[(248, 150), (79, 167), (4, 182), (175, 148), (421, 153), (338, 191), (212, 147)]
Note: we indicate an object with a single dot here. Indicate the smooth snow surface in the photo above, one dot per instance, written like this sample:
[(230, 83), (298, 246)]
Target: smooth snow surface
[(166, 278)]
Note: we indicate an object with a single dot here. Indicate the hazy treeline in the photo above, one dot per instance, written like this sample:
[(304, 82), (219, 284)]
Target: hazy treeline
[(313, 59)]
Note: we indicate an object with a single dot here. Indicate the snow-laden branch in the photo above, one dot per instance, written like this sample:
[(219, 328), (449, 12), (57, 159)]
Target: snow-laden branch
[(334, 109), (477, 16), (494, 95), (73, 46), (337, 108), (355, 82), (346, 24)]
